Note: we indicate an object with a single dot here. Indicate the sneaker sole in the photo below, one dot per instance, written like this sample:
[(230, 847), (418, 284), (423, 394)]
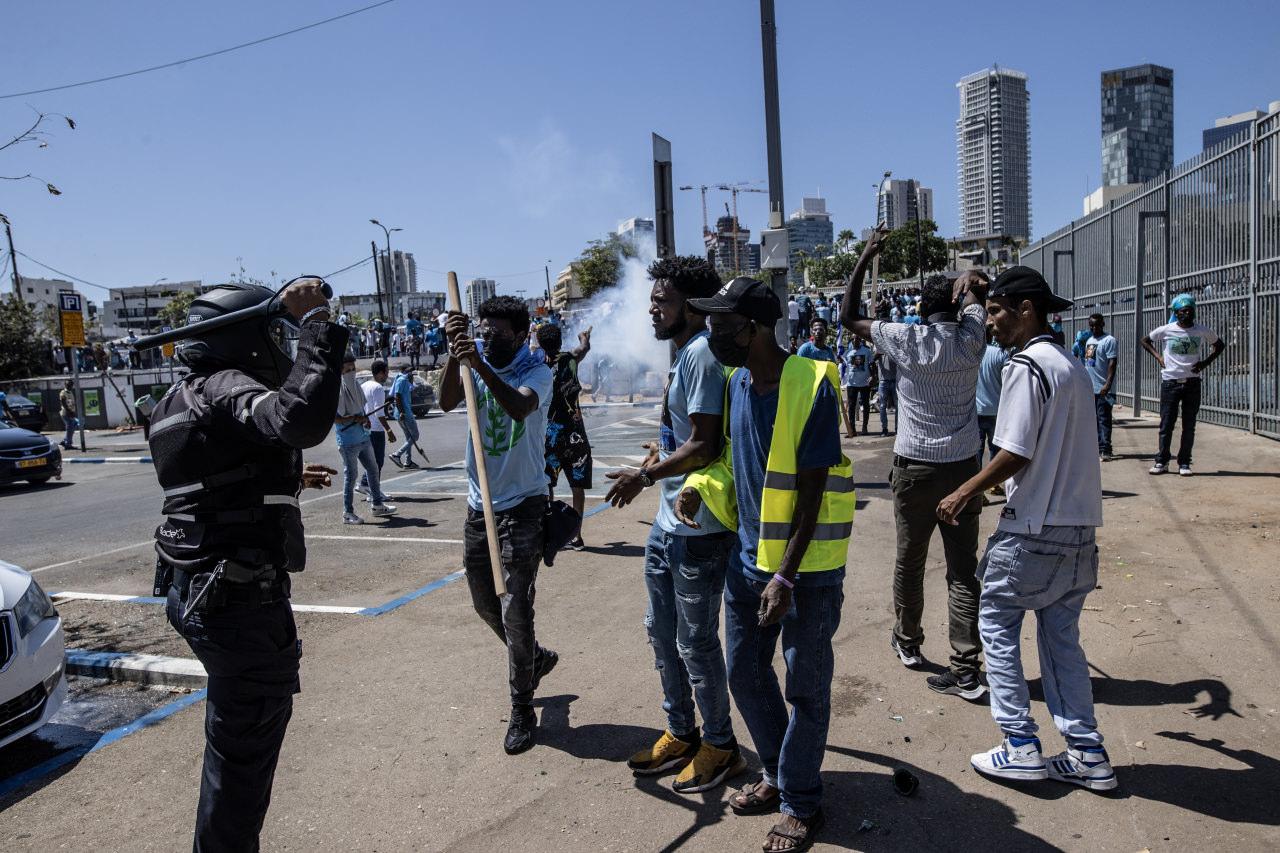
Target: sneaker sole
[(661, 768), (1019, 775), (1107, 784), (732, 770), (907, 661), (974, 693)]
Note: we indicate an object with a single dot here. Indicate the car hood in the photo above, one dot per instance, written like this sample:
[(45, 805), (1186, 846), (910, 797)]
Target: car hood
[(13, 584), (17, 437)]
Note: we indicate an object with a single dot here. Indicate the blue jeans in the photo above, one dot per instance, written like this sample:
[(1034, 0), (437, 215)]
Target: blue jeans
[(378, 439), (73, 424), (791, 747), (986, 436), (1104, 405), (361, 454), (684, 576), (888, 397), (1050, 573), (409, 424)]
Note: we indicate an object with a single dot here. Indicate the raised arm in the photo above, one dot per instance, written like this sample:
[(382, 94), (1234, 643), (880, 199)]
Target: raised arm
[(851, 316)]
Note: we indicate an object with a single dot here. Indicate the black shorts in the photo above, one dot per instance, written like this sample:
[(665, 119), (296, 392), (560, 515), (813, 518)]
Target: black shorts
[(568, 450)]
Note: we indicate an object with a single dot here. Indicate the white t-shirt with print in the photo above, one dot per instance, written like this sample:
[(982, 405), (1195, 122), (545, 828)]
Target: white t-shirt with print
[(1047, 414), (375, 397), (1182, 348)]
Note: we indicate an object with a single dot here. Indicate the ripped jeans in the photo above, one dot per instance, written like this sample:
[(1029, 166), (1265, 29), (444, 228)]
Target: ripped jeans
[(685, 579)]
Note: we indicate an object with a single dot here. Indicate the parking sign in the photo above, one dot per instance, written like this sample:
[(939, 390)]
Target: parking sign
[(71, 314)]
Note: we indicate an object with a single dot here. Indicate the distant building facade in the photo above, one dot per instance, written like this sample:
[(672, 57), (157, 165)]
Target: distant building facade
[(137, 308), (478, 290), (638, 230), (807, 229), (1137, 124), (1229, 126), (901, 201), (993, 154), (720, 246)]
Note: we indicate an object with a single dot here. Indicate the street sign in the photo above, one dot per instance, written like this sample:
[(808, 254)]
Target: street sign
[(71, 314), (168, 349)]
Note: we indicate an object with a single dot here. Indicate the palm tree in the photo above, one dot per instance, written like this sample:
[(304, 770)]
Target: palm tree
[(845, 240)]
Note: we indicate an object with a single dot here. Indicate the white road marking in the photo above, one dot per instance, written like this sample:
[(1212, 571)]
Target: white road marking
[(92, 556), (389, 539)]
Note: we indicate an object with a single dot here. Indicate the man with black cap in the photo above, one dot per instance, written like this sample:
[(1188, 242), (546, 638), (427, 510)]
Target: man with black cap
[(783, 483), (936, 449), (1042, 556), (227, 440)]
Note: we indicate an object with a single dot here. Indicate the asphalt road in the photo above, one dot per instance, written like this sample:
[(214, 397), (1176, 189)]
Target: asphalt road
[(92, 531)]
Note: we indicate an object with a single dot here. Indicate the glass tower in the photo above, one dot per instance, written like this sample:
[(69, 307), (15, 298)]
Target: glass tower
[(1137, 124)]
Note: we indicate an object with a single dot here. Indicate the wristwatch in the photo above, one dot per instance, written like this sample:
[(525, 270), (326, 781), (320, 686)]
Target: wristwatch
[(645, 479)]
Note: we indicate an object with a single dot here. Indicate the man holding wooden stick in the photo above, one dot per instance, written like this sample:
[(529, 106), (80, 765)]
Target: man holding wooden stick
[(513, 393)]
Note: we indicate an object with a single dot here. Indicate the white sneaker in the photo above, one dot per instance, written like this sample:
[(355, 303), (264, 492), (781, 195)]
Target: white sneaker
[(1184, 470), (383, 509), (1089, 768), (1006, 761), (361, 488), (1158, 468), (351, 518)]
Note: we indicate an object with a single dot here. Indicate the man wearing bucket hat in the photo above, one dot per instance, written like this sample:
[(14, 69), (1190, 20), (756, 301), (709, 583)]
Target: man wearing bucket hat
[(1183, 348)]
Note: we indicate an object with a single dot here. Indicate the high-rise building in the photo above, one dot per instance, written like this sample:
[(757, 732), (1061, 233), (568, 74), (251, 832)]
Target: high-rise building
[(720, 245), (807, 229), (404, 274), (478, 290), (1229, 126), (638, 230), (993, 154), (899, 202), (1137, 124)]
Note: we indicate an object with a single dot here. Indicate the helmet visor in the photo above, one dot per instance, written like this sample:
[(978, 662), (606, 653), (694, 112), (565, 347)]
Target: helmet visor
[(284, 333)]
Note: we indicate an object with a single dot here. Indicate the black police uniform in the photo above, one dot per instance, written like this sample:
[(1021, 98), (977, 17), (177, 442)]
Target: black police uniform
[(227, 449)]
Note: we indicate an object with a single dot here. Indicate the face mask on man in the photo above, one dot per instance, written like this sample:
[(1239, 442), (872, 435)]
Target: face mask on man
[(727, 350)]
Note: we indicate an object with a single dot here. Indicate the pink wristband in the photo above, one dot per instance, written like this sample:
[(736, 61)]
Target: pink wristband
[(780, 579)]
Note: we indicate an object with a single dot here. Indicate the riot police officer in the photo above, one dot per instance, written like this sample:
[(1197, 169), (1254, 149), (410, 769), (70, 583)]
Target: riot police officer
[(227, 442)]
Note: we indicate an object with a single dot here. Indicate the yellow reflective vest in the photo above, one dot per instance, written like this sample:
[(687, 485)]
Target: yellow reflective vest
[(797, 390)]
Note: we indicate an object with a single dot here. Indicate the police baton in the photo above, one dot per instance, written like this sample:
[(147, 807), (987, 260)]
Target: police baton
[(477, 448)]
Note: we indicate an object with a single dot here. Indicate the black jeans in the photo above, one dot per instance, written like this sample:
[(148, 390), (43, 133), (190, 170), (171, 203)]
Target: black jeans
[(251, 655), (509, 615), (1175, 394), (1104, 405), (859, 400)]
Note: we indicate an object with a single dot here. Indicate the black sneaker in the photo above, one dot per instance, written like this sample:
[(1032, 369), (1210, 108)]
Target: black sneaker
[(575, 544), (543, 663), (908, 654), (966, 686), (523, 723)]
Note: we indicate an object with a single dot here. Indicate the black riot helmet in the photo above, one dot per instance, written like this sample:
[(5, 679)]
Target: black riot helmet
[(263, 347)]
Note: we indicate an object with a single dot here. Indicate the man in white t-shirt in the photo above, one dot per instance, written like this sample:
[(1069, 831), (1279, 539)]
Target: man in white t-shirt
[(793, 316), (1184, 349), (1042, 556), (375, 405)]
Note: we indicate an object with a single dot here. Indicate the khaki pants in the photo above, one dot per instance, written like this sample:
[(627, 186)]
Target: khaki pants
[(917, 490)]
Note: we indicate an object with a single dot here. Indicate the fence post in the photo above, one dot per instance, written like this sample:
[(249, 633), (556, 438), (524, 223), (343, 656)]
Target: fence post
[(1254, 326), (1143, 216)]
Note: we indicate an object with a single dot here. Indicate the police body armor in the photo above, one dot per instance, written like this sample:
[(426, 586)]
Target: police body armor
[(227, 495)]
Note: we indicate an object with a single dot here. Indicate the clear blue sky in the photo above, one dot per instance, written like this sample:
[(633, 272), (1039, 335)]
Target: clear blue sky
[(503, 134)]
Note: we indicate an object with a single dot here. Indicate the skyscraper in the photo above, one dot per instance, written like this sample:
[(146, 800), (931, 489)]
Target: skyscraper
[(899, 202), (478, 290), (807, 229), (638, 230), (721, 252), (1137, 124), (993, 154)]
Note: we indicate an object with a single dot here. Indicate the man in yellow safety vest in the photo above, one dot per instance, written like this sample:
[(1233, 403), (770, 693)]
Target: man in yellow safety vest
[(783, 483)]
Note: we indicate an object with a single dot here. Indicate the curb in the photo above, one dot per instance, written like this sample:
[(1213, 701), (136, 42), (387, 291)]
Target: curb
[(155, 670), (99, 460)]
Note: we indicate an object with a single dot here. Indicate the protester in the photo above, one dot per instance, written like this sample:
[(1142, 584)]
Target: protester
[(375, 406), (1058, 336), (887, 390), (402, 393), (788, 490), (685, 564), (435, 344), (817, 347), (513, 394), (1100, 359), (1181, 356), (352, 422), (67, 408), (567, 447), (793, 316), (1042, 557), (857, 384), (990, 373), (936, 450)]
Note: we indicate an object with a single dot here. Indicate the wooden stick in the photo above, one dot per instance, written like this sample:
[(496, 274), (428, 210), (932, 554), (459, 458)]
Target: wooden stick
[(477, 450)]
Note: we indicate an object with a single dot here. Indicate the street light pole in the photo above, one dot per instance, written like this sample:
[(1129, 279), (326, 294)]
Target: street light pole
[(773, 144), (389, 279)]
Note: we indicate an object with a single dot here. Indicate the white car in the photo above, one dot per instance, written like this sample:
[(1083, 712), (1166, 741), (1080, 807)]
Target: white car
[(32, 658)]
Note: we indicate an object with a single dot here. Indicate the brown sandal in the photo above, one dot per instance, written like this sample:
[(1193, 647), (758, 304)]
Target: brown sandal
[(747, 801), (800, 840)]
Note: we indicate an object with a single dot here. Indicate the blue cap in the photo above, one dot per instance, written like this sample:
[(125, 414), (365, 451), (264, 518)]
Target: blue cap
[(1183, 300)]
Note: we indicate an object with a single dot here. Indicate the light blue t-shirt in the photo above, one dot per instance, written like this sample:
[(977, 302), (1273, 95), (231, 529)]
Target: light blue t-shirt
[(402, 393), (695, 386), (1098, 355), (809, 349), (990, 378), (857, 367), (514, 450)]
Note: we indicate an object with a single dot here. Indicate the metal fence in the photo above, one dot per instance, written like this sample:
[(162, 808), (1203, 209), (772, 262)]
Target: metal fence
[(1211, 228)]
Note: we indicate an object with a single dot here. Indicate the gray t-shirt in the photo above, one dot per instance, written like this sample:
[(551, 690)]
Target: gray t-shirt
[(695, 386)]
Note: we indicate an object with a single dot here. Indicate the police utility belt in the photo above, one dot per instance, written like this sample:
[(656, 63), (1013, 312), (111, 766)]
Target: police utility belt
[(229, 582)]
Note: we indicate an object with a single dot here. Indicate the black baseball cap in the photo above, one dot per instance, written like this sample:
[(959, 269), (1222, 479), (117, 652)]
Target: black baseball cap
[(1018, 283), (747, 297)]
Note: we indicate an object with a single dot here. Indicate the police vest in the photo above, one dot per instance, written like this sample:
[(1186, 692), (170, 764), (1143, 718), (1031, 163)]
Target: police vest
[(797, 390), (228, 494)]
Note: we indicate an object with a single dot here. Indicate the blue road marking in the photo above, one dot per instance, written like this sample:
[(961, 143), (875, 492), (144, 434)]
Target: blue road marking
[(416, 594)]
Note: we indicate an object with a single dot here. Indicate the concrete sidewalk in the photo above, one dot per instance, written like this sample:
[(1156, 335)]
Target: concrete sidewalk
[(395, 743)]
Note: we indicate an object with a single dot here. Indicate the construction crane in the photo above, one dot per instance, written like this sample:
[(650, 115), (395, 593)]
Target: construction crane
[(703, 189), (734, 189)]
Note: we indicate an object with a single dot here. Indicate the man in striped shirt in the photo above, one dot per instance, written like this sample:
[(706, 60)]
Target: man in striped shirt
[(936, 449)]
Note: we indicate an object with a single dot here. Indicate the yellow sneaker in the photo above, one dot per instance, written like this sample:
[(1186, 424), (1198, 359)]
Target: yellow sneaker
[(710, 767), (669, 752)]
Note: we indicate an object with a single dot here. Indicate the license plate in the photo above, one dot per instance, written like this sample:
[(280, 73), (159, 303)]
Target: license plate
[(31, 463)]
